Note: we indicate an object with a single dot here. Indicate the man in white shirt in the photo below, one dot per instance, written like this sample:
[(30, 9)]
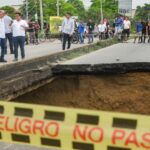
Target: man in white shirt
[(8, 32), (68, 27), (126, 27), (102, 29), (19, 27), (2, 36)]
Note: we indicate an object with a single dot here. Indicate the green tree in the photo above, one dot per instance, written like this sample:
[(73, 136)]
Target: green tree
[(50, 9), (110, 9), (10, 10), (33, 8), (79, 6), (143, 12)]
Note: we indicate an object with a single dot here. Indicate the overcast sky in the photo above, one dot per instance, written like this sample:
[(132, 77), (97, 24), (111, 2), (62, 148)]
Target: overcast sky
[(86, 2)]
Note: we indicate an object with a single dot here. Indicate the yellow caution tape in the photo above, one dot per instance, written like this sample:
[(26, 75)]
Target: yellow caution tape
[(69, 129)]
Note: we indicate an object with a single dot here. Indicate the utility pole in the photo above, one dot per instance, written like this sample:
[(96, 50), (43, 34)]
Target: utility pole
[(27, 10), (58, 12), (101, 9), (41, 15)]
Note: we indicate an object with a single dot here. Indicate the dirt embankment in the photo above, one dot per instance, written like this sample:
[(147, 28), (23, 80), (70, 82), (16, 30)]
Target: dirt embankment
[(121, 93)]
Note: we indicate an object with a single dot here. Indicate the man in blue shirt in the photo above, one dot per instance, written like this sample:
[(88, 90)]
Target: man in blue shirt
[(81, 29), (139, 29), (118, 24)]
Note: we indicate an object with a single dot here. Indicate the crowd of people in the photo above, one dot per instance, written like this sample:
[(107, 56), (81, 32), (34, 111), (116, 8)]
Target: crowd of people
[(121, 28), (14, 32), (19, 31)]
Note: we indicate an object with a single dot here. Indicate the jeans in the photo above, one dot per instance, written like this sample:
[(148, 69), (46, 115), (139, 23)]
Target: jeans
[(19, 41), (91, 37), (66, 38), (2, 45), (118, 29), (143, 37), (10, 40), (101, 36), (81, 37)]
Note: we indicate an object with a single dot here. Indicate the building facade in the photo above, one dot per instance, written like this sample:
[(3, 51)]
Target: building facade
[(128, 7), (14, 3)]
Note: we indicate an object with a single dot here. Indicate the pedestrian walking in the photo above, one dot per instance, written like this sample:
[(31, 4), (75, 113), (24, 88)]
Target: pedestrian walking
[(90, 29), (19, 27), (126, 28), (68, 30), (81, 29), (2, 36), (139, 28), (102, 30), (8, 33)]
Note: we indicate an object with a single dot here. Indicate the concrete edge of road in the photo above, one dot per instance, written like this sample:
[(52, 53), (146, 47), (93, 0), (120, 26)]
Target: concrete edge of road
[(101, 68), (37, 64)]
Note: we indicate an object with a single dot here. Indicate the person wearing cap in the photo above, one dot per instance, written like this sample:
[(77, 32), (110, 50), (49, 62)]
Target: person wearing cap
[(68, 27), (2, 36)]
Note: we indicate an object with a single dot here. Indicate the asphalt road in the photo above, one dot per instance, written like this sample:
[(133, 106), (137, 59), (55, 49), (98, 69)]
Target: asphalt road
[(118, 53), (6, 146), (43, 49)]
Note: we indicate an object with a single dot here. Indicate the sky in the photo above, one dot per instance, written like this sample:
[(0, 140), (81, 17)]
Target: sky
[(86, 2)]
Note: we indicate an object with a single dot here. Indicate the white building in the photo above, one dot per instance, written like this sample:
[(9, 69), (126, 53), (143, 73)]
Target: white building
[(14, 3), (128, 7)]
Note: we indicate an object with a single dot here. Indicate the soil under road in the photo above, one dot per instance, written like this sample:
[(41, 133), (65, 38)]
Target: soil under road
[(122, 92)]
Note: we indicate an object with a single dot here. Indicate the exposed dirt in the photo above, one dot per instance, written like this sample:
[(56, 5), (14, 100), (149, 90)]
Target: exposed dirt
[(121, 93)]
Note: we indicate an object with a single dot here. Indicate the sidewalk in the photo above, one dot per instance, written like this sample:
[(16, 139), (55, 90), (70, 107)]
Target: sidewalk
[(43, 49)]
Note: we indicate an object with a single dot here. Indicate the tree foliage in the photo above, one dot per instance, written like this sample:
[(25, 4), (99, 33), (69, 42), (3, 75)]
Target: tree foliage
[(110, 9), (76, 7), (10, 10), (143, 12)]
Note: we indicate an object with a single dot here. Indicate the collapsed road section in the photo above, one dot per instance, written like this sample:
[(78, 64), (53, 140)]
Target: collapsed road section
[(120, 58), (24, 76), (77, 85)]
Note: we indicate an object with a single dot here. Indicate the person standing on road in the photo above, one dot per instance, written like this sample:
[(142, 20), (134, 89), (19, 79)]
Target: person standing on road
[(126, 28), (19, 27), (36, 28), (67, 29), (31, 31), (102, 30), (8, 33), (139, 28), (2, 36), (118, 25), (148, 31), (90, 29), (81, 29)]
